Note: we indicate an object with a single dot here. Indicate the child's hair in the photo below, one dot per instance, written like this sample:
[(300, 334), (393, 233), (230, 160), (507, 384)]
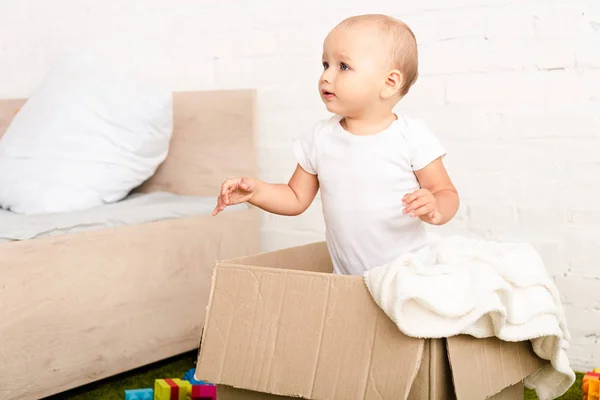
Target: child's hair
[(401, 41)]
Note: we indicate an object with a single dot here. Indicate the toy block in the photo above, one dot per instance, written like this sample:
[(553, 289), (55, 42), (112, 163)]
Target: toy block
[(593, 390), (204, 392), (139, 394), (596, 370), (189, 376), (590, 376), (585, 387), (171, 389)]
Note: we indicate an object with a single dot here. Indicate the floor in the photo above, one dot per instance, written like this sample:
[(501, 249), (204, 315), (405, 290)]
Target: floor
[(114, 388)]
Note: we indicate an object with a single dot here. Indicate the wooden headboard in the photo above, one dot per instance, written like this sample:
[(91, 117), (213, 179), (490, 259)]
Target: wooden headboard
[(213, 139)]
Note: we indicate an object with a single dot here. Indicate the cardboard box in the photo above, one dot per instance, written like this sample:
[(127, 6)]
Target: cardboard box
[(280, 323)]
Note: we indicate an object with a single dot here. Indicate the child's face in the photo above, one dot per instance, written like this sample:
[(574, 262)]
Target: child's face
[(354, 71)]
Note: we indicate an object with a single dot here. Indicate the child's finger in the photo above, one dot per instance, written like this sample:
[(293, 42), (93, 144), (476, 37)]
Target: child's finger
[(218, 208), (410, 197), (219, 205), (225, 187), (418, 203), (424, 210), (230, 185), (223, 200)]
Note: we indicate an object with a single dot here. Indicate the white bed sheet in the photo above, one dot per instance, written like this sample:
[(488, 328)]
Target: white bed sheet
[(136, 209)]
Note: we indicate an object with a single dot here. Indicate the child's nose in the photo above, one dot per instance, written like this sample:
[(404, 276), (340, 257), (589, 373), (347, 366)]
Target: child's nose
[(326, 76)]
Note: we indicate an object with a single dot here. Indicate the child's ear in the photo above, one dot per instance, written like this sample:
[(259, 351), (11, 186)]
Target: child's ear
[(392, 84)]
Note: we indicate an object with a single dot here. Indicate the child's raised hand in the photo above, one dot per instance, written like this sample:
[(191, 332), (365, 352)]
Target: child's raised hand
[(421, 203), (235, 191)]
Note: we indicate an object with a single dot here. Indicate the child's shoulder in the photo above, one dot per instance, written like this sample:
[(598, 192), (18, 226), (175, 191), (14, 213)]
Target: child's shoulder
[(423, 143), (413, 126)]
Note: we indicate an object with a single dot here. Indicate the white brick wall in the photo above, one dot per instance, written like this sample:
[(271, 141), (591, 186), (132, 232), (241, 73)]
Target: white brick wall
[(511, 87)]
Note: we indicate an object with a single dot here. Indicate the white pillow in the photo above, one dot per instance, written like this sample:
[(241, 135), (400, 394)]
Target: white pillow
[(87, 136)]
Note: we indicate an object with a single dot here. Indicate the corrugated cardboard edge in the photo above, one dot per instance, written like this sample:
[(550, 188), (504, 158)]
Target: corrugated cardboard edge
[(207, 316), (225, 392), (413, 392), (514, 392), (287, 259)]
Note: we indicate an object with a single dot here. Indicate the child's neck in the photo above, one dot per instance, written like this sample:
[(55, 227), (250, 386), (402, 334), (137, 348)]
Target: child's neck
[(368, 125)]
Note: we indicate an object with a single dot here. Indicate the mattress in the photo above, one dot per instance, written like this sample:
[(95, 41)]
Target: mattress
[(136, 209)]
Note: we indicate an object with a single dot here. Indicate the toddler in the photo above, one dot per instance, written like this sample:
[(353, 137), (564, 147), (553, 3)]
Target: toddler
[(380, 173)]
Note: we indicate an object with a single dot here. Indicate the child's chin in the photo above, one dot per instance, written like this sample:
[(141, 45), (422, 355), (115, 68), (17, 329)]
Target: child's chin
[(332, 108)]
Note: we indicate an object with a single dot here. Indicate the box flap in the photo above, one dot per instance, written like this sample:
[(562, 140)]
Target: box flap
[(298, 333), (482, 368), (310, 257), (434, 379)]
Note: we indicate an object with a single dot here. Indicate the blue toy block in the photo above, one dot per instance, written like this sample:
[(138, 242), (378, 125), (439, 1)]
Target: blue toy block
[(189, 376), (139, 394)]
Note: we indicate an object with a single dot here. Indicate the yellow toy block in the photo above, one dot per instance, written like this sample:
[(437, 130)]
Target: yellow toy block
[(171, 389), (596, 370), (593, 390)]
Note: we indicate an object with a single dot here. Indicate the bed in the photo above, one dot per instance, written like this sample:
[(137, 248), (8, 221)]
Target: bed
[(99, 292)]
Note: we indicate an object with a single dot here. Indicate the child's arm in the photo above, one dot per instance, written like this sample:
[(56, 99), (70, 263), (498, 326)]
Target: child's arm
[(288, 199), (437, 201)]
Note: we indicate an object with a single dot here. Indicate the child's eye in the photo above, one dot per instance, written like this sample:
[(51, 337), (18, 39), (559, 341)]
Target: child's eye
[(325, 65), (344, 67)]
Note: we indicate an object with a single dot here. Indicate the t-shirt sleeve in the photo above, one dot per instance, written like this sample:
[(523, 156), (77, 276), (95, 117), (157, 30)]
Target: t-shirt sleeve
[(305, 151), (425, 146)]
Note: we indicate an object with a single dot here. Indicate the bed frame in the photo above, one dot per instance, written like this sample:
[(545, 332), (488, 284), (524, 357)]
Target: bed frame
[(80, 307)]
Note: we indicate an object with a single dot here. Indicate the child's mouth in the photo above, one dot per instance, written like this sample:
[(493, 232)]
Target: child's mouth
[(328, 95)]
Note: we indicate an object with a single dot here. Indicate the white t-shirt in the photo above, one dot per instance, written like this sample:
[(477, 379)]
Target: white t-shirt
[(362, 181)]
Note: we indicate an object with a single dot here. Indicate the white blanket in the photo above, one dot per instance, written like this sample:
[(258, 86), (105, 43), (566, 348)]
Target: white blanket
[(465, 280)]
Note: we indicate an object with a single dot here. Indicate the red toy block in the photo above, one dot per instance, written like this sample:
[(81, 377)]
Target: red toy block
[(203, 392)]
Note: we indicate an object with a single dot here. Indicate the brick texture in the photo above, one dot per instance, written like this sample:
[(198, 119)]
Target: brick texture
[(512, 88)]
